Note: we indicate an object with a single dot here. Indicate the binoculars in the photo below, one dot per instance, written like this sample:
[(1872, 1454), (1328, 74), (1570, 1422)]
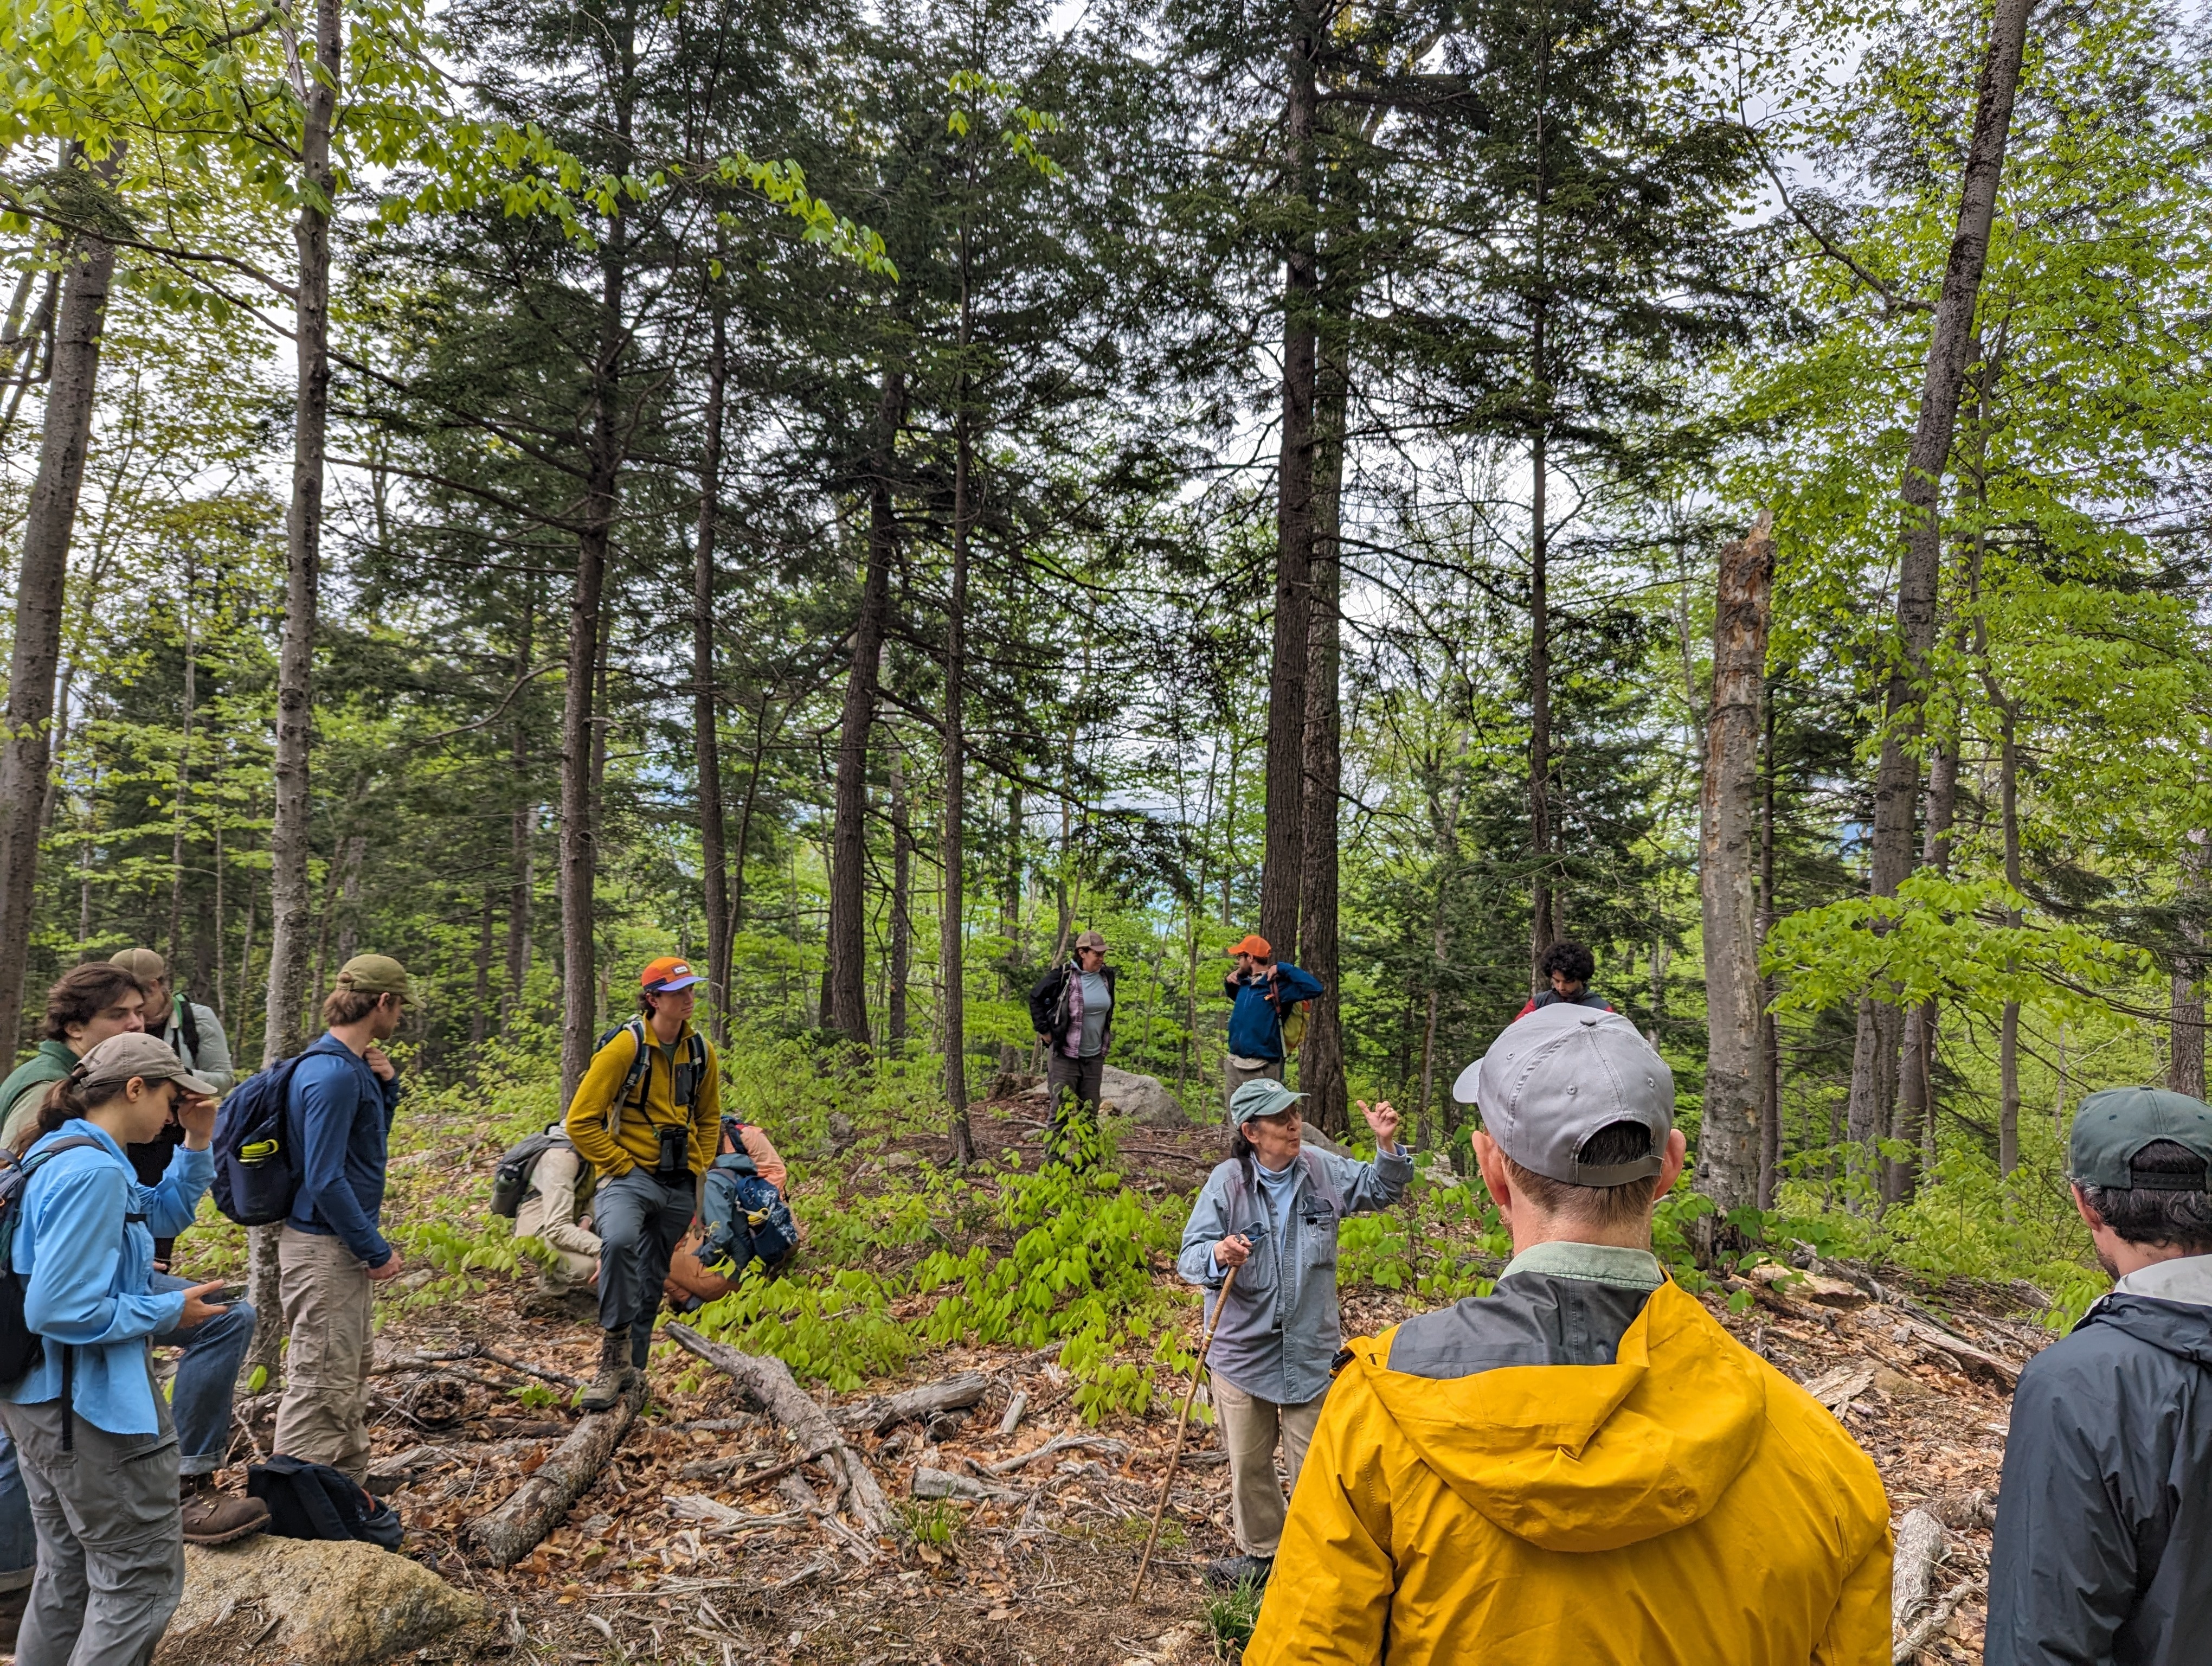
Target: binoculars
[(675, 1153)]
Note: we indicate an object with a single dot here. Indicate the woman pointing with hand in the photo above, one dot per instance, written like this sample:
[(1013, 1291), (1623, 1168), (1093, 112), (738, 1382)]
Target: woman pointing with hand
[(1272, 1212)]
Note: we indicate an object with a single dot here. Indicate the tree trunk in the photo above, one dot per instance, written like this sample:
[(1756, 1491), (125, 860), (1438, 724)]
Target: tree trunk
[(1769, 1102), (1728, 1138), (48, 521), (1321, 1056), (178, 822), (480, 1007), (1916, 1118), (1282, 872), (1543, 923), (952, 943), (290, 902), (1875, 1064), (2008, 1026), (902, 921), (578, 733), (848, 864), (2186, 1067), (713, 858), (521, 824)]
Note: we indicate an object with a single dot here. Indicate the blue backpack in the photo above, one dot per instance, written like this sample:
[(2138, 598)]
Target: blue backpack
[(745, 1219), (257, 1174)]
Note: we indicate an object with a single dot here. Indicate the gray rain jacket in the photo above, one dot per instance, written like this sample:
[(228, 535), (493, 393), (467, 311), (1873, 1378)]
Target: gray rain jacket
[(1279, 1332), (2103, 1550)]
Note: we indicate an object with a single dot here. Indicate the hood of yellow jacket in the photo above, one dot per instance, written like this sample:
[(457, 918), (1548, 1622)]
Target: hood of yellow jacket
[(1589, 1457)]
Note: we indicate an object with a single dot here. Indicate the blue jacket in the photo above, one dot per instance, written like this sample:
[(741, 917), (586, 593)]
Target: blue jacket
[(1256, 1023), (86, 1273), (1280, 1331), (339, 1119), (2103, 1547)]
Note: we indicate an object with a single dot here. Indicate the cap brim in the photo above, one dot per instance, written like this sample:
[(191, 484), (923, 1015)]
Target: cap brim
[(192, 1084), (1463, 1091), (673, 985)]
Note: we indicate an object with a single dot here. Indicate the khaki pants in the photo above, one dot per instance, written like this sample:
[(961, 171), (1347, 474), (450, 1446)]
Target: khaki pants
[(549, 1213), (328, 1299), (1249, 1429)]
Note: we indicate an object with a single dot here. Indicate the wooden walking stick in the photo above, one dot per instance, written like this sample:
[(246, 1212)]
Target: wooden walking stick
[(1183, 1423)]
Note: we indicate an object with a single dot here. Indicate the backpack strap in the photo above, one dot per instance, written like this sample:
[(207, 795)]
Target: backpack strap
[(190, 1026)]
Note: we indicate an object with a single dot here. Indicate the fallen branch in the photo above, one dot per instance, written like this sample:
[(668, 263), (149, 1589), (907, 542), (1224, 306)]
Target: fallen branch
[(1912, 1642), (1015, 1408), (508, 1534), (1058, 1443), (1921, 1543), (722, 1518), (944, 1484), (768, 1383), (1972, 1361), (918, 1405)]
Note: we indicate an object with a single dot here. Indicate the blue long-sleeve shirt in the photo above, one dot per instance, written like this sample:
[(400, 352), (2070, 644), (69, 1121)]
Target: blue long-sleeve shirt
[(1255, 1024), (338, 1118), (87, 1271)]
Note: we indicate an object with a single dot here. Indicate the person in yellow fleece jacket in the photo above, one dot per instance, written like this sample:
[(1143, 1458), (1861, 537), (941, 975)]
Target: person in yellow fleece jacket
[(645, 1117), (1583, 1467)]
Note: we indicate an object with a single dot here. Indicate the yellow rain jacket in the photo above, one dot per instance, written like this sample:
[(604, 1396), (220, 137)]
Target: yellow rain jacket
[(1687, 1506)]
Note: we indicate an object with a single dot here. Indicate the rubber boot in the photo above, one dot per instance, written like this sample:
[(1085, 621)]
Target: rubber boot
[(212, 1517), (613, 1379)]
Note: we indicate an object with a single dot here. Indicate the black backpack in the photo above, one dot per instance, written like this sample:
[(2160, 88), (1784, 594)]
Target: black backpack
[(314, 1501), (22, 1348), (510, 1181), (256, 1173)]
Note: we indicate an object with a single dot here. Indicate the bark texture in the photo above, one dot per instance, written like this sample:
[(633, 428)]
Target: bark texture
[(1321, 1056), (1728, 866), (2185, 1063), (705, 721), (1874, 1060), (49, 519), (505, 1535)]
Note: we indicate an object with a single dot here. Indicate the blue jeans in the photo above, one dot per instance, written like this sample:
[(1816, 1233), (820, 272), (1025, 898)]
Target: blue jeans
[(200, 1399)]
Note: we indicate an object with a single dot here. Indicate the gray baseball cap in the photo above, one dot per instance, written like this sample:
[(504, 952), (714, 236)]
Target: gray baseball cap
[(2112, 1126), (1262, 1095), (1558, 1076), (134, 1053)]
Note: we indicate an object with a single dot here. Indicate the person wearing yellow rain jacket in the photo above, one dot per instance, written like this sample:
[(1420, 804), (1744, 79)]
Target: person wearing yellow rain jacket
[(1583, 1467)]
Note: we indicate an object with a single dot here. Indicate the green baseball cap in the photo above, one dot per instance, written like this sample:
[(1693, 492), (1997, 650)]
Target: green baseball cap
[(1261, 1097), (375, 975), (2110, 1127)]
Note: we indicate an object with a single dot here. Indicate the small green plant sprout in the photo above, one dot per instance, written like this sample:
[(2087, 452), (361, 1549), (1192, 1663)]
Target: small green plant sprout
[(1230, 1616), (932, 1524), (536, 1395)]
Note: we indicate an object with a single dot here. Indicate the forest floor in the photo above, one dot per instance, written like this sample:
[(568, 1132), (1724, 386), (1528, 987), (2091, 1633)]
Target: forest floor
[(1042, 1573)]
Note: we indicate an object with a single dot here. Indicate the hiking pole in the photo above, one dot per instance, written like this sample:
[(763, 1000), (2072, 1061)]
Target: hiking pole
[(1183, 1423)]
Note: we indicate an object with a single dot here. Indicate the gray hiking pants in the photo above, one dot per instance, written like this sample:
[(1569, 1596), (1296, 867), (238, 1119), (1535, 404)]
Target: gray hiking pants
[(111, 1538), (640, 1223)]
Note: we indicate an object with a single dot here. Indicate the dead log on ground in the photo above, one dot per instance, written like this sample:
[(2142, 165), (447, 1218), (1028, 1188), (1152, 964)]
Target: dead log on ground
[(505, 1535), (1921, 1543), (886, 1412), (1910, 1644), (1057, 1444), (944, 1484), (1015, 1408), (2001, 1374), (767, 1382)]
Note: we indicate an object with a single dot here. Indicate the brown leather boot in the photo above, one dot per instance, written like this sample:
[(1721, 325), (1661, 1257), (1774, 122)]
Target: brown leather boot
[(12, 1605), (614, 1375), (212, 1517)]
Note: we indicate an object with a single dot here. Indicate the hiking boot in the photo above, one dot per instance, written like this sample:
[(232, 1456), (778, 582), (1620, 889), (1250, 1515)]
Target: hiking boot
[(1233, 1571), (614, 1375), (215, 1518), (13, 1604)]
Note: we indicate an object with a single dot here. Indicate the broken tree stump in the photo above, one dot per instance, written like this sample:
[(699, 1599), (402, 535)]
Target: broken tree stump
[(507, 1535), (767, 1384)]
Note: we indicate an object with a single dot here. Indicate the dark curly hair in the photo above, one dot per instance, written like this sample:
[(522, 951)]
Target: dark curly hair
[(1572, 961), (2163, 1215)]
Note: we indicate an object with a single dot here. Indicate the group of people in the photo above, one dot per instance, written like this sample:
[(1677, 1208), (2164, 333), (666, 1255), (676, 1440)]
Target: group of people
[(108, 1126), (1585, 1466)]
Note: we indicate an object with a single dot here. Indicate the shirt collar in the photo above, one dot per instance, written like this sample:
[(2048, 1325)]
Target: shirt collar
[(2183, 1278), (77, 1127), (1598, 1263)]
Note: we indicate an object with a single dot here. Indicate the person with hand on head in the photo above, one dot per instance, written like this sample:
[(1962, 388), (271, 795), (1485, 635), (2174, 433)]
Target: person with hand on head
[(647, 1117), (1263, 992), (92, 1432), (1072, 1009), (1271, 1213), (86, 1005), (1583, 1465), (195, 1035), (332, 1251), (2103, 1546)]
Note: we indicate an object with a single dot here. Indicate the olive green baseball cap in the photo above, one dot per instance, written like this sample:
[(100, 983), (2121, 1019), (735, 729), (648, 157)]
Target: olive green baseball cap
[(2110, 1127), (375, 975)]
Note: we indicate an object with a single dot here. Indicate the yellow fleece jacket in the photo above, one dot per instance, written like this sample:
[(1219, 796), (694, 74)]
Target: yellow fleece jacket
[(614, 1139), (1687, 1505)]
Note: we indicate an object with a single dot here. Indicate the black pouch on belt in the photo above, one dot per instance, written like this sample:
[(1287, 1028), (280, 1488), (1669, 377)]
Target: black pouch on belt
[(675, 1154)]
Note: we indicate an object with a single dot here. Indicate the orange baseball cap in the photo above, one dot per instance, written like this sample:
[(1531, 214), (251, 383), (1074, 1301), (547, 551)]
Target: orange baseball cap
[(1253, 945), (668, 973)]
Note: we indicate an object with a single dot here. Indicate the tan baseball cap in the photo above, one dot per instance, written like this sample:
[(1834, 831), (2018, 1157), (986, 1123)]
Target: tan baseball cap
[(375, 975), (1091, 940), (142, 964), (119, 1058)]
